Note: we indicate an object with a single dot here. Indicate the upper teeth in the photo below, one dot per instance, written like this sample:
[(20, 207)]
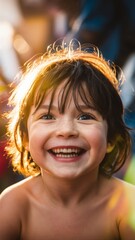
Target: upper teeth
[(66, 150)]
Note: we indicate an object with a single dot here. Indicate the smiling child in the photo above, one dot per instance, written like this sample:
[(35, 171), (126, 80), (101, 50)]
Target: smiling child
[(67, 137)]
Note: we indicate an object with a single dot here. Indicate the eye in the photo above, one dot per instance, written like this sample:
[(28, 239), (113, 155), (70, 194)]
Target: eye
[(85, 116), (47, 116)]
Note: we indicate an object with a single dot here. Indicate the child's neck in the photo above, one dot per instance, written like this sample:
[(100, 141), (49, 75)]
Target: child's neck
[(71, 192)]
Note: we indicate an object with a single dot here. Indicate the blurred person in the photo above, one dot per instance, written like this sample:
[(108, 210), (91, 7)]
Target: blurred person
[(108, 24), (10, 11), (128, 95), (7, 177), (4, 94), (10, 62), (128, 98), (14, 49)]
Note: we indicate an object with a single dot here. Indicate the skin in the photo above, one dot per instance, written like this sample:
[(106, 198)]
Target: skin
[(70, 200)]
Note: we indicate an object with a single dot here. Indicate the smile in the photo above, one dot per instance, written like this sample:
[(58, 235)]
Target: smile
[(67, 152)]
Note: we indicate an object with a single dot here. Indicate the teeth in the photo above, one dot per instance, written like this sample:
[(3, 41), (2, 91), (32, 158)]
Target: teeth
[(66, 150), (66, 156)]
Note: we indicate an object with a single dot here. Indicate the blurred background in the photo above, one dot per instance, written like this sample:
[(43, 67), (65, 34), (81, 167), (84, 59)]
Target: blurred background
[(27, 27)]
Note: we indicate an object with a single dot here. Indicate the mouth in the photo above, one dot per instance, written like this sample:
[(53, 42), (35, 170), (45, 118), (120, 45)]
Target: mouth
[(67, 152)]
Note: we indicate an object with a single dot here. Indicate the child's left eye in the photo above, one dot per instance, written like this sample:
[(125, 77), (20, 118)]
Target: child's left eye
[(47, 117), (86, 117)]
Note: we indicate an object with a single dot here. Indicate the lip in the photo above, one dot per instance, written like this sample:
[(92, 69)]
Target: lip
[(66, 160)]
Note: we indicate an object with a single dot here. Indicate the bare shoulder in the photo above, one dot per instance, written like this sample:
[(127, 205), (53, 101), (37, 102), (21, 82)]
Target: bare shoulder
[(15, 192), (17, 196), (124, 192), (14, 202), (127, 189), (126, 210)]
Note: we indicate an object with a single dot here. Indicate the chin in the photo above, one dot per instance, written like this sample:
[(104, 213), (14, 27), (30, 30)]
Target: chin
[(67, 175)]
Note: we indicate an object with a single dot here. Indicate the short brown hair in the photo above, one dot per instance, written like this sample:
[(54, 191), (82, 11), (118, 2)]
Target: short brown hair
[(81, 66)]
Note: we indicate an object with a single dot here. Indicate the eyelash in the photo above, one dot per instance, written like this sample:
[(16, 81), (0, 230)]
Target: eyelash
[(47, 116), (89, 116)]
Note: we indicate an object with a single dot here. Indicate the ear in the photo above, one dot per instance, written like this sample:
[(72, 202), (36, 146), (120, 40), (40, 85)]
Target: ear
[(110, 147)]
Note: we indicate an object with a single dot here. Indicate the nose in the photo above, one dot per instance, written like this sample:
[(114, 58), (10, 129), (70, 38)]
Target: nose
[(67, 128)]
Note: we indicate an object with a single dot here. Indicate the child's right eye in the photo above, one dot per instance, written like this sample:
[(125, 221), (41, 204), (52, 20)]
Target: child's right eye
[(47, 117)]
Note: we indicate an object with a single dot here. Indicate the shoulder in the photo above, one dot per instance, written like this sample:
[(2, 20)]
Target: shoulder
[(15, 200), (125, 191), (18, 192), (13, 196), (127, 188), (126, 210), (13, 204), (120, 196), (126, 204), (15, 188)]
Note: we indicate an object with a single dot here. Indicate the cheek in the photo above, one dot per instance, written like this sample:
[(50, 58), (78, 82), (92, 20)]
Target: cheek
[(98, 138), (36, 146), (36, 138)]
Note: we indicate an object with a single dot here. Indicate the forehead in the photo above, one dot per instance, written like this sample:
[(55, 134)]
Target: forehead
[(66, 96)]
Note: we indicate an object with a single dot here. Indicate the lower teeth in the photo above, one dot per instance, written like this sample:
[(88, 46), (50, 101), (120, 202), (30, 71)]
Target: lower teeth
[(66, 156)]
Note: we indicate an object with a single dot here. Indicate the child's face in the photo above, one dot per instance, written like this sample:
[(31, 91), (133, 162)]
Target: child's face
[(66, 145)]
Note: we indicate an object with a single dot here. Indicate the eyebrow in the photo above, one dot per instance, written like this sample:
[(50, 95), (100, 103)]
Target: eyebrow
[(85, 107), (55, 108), (48, 106), (45, 107)]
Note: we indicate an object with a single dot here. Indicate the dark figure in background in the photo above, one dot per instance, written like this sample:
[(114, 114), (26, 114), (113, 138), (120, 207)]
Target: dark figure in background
[(110, 25), (7, 176)]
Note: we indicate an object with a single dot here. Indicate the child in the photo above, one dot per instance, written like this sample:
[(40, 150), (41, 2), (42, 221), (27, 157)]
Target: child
[(68, 137)]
